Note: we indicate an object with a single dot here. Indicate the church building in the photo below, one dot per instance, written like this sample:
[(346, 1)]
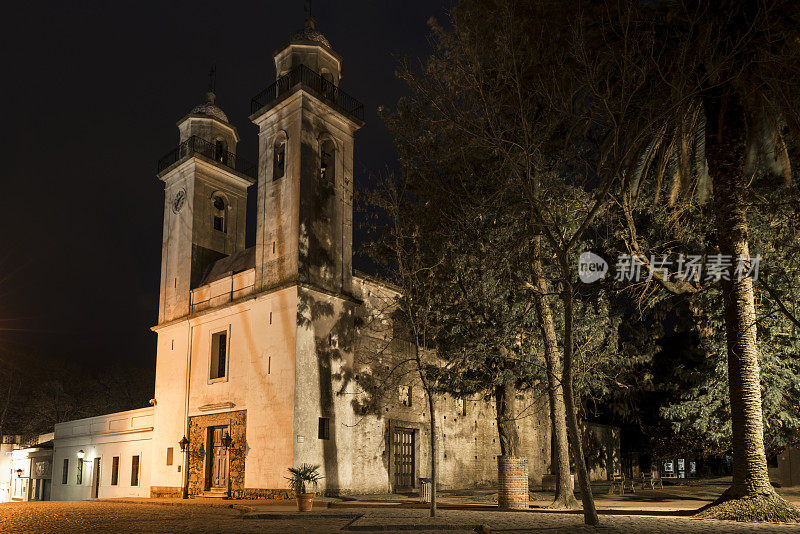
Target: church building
[(260, 348)]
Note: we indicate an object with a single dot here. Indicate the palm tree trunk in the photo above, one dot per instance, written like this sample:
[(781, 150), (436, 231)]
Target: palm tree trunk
[(725, 150), (564, 495), (751, 496)]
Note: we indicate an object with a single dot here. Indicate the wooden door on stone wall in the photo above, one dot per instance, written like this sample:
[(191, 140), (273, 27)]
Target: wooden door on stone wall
[(403, 452), (219, 459)]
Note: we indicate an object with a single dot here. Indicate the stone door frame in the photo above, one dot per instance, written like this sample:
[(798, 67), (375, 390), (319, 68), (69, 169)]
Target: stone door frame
[(199, 453)]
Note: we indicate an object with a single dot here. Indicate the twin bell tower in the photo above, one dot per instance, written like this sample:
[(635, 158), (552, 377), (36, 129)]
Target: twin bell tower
[(305, 183)]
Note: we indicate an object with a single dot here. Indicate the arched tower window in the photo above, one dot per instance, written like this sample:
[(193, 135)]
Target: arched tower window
[(220, 151), (327, 163), (328, 87), (219, 209), (279, 159)]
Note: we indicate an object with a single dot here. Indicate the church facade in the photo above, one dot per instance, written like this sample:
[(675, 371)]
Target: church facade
[(260, 348)]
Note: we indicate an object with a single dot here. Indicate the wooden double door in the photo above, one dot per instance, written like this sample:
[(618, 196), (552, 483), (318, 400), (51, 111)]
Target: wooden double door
[(218, 459), (403, 447)]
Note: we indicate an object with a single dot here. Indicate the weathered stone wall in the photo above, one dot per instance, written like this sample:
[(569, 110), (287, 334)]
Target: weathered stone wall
[(788, 471), (164, 492), (468, 444), (257, 493), (601, 450)]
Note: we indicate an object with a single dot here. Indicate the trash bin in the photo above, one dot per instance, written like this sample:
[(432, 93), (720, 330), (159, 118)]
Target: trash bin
[(425, 490)]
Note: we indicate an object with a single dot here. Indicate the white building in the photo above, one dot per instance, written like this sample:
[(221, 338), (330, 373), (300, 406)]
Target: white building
[(26, 467), (104, 456), (256, 346)]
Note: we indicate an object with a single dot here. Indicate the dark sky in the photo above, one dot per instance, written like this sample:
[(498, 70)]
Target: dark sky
[(91, 93)]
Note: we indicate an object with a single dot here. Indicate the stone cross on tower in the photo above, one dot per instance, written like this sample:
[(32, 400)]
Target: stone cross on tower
[(212, 79)]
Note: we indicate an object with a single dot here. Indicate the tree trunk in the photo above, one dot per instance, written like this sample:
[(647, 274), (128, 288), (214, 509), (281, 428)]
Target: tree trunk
[(505, 395), (751, 496), (432, 410), (725, 150), (564, 495), (576, 445), (434, 452)]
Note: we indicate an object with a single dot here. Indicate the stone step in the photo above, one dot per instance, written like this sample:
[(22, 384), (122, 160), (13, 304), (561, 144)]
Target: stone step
[(214, 494)]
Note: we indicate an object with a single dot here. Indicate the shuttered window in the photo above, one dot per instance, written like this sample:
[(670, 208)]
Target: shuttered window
[(135, 471), (115, 470)]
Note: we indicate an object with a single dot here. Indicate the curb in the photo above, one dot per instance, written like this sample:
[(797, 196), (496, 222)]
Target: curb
[(301, 515), (189, 502)]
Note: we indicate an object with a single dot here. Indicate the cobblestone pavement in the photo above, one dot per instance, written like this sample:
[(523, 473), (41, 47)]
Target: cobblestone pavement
[(87, 516)]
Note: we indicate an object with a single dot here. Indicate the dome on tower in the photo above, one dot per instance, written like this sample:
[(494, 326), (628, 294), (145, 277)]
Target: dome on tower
[(309, 33), (210, 109)]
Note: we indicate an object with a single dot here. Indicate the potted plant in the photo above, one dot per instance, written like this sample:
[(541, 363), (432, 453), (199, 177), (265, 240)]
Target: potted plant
[(303, 476)]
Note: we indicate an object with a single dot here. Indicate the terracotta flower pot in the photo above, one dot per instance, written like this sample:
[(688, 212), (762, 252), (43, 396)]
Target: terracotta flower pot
[(305, 501)]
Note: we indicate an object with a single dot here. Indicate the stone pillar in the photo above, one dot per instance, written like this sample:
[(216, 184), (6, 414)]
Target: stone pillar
[(512, 483)]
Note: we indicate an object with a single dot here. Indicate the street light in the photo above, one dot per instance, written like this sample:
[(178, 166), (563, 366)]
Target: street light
[(227, 441), (184, 443)]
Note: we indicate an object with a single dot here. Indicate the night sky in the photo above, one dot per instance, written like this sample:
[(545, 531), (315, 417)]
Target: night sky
[(91, 94)]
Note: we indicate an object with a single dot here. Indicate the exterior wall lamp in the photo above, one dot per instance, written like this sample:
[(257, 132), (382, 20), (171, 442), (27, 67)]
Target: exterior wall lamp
[(81, 454), (227, 441), (19, 473), (184, 445)]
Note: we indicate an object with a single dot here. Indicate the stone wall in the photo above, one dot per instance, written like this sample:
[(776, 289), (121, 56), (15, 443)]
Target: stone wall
[(258, 493), (164, 492), (198, 450)]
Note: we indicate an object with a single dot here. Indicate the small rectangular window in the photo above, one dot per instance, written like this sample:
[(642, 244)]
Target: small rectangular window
[(115, 470), (324, 428), (461, 406), (169, 455), (135, 471), (219, 223), (327, 163), (65, 471), (404, 395), (80, 472), (219, 349)]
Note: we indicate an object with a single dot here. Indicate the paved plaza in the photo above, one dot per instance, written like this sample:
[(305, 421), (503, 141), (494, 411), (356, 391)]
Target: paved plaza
[(108, 516)]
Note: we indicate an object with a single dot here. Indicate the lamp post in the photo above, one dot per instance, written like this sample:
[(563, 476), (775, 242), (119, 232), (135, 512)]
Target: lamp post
[(226, 442), (184, 443)]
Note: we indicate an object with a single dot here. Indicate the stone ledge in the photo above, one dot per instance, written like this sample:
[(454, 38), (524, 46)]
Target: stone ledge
[(263, 493), (162, 492)]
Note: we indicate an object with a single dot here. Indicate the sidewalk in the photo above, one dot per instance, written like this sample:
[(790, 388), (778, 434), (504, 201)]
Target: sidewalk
[(679, 500)]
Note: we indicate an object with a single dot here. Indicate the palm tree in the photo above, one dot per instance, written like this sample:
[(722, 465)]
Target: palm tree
[(728, 72)]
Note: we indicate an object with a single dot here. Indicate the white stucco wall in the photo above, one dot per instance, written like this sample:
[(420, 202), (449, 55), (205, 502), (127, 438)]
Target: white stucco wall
[(259, 379), (122, 434)]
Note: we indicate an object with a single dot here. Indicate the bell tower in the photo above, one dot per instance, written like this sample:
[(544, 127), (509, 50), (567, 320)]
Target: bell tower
[(305, 185), (205, 199)]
